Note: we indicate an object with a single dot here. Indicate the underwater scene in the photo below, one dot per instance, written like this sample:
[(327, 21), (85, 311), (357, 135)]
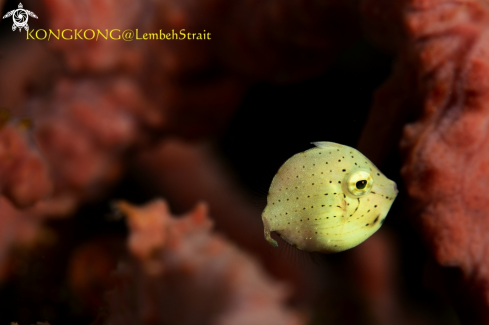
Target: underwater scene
[(214, 162)]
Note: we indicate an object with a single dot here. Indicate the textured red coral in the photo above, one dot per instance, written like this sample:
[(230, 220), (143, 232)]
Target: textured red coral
[(444, 57), (182, 273), (74, 151), (87, 128), (24, 177)]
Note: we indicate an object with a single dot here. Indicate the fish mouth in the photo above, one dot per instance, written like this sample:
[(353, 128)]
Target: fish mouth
[(389, 190)]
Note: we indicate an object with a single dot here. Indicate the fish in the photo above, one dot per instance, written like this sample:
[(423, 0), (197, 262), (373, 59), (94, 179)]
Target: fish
[(327, 199)]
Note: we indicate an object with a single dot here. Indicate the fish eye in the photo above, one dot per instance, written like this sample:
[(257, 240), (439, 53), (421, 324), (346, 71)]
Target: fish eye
[(360, 183)]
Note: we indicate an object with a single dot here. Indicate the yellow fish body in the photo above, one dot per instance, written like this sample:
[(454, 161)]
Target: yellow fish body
[(327, 199)]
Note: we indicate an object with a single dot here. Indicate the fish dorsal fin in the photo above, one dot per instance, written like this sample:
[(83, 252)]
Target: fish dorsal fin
[(325, 144)]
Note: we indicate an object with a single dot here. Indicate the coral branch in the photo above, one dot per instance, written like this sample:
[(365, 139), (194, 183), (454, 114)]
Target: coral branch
[(442, 50)]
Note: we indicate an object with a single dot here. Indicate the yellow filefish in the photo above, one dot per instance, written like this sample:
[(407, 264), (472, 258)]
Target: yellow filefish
[(327, 199)]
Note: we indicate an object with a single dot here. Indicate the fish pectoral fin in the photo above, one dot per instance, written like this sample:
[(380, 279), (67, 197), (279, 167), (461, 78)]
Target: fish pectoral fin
[(268, 237), (325, 144)]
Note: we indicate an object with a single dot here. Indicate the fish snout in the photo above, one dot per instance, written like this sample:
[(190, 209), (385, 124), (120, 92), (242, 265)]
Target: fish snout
[(395, 188)]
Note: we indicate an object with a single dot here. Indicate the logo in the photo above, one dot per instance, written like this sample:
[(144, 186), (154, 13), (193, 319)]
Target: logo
[(20, 17)]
